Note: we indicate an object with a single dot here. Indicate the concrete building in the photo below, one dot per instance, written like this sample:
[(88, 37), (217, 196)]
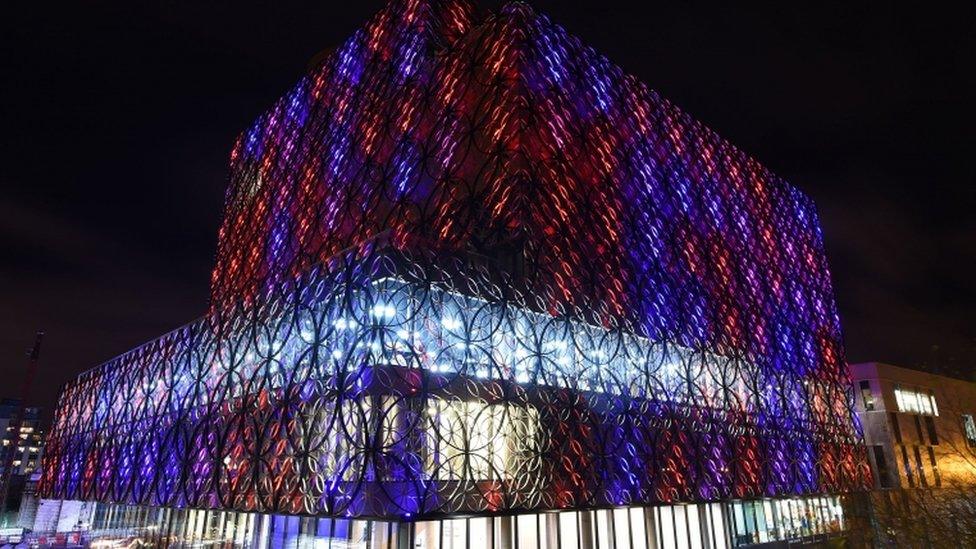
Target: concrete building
[(921, 439), (919, 427)]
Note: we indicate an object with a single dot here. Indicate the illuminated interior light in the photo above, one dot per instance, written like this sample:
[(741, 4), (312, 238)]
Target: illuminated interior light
[(383, 311), (451, 323)]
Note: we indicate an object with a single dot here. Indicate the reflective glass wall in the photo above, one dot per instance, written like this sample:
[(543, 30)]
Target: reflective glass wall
[(693, 526)]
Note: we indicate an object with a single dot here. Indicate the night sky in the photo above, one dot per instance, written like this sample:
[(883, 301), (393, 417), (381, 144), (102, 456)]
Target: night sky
[(118, 117)]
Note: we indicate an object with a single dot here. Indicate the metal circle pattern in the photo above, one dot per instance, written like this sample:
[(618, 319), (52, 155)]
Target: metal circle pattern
[(469, 266)]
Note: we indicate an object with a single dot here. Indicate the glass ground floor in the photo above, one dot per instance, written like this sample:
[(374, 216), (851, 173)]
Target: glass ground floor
[(691, 526)]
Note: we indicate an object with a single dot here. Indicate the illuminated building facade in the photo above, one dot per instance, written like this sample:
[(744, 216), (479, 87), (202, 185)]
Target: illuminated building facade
[(475, 286)]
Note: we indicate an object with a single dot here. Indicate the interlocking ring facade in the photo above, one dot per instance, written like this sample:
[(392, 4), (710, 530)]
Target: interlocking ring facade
[(469, 266)]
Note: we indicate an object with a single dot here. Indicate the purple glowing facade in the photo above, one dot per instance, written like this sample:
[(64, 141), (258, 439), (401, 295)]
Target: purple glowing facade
[(468, 266)]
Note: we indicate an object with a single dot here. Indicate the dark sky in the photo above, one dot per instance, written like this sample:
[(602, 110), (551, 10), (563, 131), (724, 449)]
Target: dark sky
[(117, 119)]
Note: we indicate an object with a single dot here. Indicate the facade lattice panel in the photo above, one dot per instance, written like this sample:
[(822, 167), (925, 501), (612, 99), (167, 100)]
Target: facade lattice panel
[(467, 265)]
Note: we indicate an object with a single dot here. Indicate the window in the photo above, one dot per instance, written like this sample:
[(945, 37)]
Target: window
[(930, 427), (866, 395), (485, 440), (568, 534), (921, 470), (454, 534), (884, 475), (918, 429), (908, 467), (621, 528), (915, 401), (969, 426), (935, 467), (896, 429), (480, 528)]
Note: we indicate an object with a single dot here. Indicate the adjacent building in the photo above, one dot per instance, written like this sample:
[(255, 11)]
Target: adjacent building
[(477, 287), (921, 439), (918, 426), (27, 444), (22, 448)]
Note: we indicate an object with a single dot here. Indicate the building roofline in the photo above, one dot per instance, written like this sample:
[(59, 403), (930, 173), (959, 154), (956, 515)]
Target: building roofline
[(879, 366)]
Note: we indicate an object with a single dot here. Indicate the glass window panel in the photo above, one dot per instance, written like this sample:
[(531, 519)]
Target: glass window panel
[(426, 535), (806, 516), (528, 532), (826, 514), (358, 536), (922, 478), (785, 518), (638, 527), (739, 521), (621, 528), (694, 527), (290, 529), (916, 400), (480, 532), (342, 528), (866, 395), (504, 528), (718, 527), (382, 535), (602, 527), (568, 530), (324, 527), (244, 525), (969, 426), (587, 529), (680, 526), (925, 404), (838, 511), (908, 467), (881, 465), (771, 527), (935, 467), (816, 517), (454, 534), (549, 528), (666, 527), (755, 521)]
